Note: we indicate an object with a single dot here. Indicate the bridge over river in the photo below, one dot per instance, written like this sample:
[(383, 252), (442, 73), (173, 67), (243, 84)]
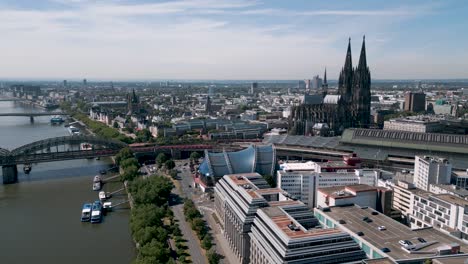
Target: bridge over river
[(33, 114), (69, 147)]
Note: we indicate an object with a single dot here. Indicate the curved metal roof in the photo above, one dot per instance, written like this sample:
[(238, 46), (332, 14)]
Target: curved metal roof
[(260, 159)]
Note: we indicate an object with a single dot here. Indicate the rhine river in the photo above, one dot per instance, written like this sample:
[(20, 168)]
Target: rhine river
[(40, 215)]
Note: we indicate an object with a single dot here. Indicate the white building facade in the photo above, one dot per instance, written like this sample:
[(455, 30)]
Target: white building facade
[(431, 170)]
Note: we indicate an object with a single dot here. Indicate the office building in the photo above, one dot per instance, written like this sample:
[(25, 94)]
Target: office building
[(431, 170), (266, 225), (384, 242), (378, 198), (415, 102), (422, 124), (253, 88), (316, 82), (301, 180)]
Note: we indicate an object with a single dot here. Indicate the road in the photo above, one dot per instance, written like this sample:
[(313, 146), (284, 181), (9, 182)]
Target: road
[(206, 206), (188, 234), (178, 209)]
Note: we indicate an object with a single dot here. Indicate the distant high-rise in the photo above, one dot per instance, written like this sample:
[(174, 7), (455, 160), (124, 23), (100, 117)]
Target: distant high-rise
[(210, 91), (307, 86), (316, 82), (85, 82), (208, 105), (253, 87), (415, 102), (65, 83)]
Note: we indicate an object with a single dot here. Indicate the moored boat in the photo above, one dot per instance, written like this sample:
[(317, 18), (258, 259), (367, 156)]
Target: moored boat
[(27, 168), (96, 212), (97, 183), (57, 120), (86, 212)]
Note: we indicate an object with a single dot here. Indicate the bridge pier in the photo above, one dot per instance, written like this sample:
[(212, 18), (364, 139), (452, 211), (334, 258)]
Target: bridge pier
[(31, 118), (10, 174), (175, 154)]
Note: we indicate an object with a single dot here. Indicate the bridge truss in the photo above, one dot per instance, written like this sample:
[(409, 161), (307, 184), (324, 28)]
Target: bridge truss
[(60, 148)]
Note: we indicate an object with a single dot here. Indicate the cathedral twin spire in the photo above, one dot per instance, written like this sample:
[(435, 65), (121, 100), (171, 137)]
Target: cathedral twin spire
[(354, 87)]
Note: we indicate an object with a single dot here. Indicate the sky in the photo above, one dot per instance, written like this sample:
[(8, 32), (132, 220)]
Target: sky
[(230, 39)]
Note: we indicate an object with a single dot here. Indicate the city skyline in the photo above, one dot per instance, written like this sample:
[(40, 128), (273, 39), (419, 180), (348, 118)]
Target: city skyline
[(228, 39)]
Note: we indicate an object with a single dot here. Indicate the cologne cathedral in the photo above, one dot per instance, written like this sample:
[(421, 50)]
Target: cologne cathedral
[(350, 107)]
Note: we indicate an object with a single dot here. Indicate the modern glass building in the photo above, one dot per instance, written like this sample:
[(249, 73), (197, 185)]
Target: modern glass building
[(259, 159)]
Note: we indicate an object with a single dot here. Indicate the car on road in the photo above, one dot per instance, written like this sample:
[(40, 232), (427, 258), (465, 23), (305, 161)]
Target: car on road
[(385, 250)]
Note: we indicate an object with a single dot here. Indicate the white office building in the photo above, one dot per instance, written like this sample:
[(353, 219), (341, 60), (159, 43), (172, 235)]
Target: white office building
[(266, 225), (431, 170), (302, 180)]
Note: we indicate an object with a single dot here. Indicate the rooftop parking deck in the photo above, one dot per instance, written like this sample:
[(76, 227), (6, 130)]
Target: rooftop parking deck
[(393, 233)]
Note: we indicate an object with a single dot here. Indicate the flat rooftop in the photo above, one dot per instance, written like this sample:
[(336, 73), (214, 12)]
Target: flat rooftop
[(298, 166), (451, 199), (394, 232), (283, 221), (335, 164)]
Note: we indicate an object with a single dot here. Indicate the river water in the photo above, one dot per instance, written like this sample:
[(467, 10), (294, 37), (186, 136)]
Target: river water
[(40, 215)]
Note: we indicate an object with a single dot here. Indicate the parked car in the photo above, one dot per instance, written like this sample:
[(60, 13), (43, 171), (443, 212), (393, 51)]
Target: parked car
[(422, 240), (405, 243), (385, 250), (381, 228)]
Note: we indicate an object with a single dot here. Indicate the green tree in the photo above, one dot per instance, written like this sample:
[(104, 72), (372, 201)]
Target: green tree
[(129, 162), (130, 173), (173, 174), (195, 156), (115, 125), (123, 154), (206, 242), (154, 190), (160, 159), (143, 215), (148, 233), (198, 225), (169, 164), (143, 135), (213, 257), (155, 249), (176, 231)]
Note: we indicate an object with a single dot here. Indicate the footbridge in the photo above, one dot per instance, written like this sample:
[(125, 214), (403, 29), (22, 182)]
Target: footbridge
[(75, 147)]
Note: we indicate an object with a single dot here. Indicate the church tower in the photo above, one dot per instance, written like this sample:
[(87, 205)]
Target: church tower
[(345, 81), (362, 93)]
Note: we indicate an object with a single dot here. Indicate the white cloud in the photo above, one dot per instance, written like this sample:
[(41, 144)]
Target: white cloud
[(179, 39)]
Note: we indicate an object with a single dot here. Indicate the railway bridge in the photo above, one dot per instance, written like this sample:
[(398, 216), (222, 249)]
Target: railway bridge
[(69, 148)]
